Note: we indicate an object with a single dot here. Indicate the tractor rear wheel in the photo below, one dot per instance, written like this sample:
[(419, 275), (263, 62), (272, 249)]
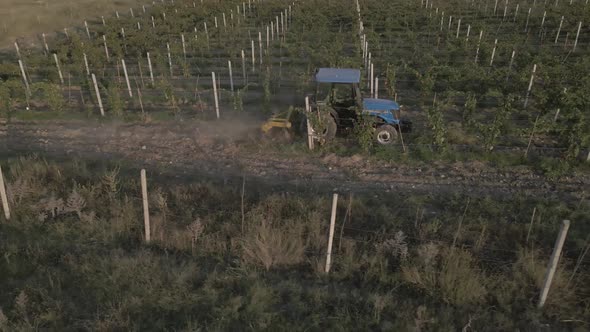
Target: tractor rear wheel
[(385, 134), (328, 131)]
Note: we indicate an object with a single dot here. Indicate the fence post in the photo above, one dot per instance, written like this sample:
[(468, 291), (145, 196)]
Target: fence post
[(331, 236), (494, 52), (245, 80), (231, 76), (61, 76), (22, 71), (253, 56), (310, 132), (126, 78), (146, 209), (150, 67), (97, 94), (45, 43), (553, 262), (86, 65), (558, 31), (169, 59), (17, 50), (215, 94), (376, 87), (577, 35), (4, 197), (526, 100), (87, 30), (260, 47), (106, 49)]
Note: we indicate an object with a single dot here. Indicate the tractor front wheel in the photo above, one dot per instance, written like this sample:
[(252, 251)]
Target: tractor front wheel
[(385, 135)]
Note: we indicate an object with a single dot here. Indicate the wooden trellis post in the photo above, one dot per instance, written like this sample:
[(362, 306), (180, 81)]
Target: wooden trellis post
[(45, 43), (376, 87), (578, 34), (215, 94), (231, 76), (244, 78), (260, 47), (86, 65), (331, 234), (253, 57), (22, 71), (61, 76), (87, 30), (146, 209), (150, 68), (478, 44), (126, 78), (372, 80), (5, 206), (106, 49), (124, 39), (310, 132), (494, 52), (558, 31), (526, 100), (183, 46), (97, 91), (169, 59), (553, 262), (17, 50)]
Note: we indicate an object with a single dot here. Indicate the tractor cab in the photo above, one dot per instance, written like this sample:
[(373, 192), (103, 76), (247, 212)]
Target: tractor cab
[(339, 102)]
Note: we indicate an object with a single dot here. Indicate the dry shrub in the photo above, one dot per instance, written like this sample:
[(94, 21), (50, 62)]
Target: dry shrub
[(269, 244), (449, 273), (396, 247), (525, 280)]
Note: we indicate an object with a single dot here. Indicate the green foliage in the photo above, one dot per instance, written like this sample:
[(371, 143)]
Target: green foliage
[(492, 131), (390, 76), (468, 110), (266, 87), (52, 94), (448, 273), (364, 132), (168, 90), (114, 99), (437, 123)]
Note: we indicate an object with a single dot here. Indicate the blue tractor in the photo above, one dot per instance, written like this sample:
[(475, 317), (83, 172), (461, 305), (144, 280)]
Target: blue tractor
[(338, 103)]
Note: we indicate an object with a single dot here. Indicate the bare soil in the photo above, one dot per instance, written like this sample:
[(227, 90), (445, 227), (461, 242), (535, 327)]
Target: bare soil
[(231, 149)]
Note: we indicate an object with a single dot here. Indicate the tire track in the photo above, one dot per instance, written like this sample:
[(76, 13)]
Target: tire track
[(205, 148)]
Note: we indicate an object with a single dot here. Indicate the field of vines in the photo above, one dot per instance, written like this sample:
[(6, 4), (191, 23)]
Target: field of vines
[(479, 79), (473, 76)]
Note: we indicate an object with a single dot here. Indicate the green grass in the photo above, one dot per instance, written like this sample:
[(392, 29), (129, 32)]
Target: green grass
[(74, 257)]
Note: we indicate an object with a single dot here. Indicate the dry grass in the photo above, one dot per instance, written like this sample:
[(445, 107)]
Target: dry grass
[(27, 18)]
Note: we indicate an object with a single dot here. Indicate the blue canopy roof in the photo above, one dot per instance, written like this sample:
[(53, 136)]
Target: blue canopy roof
[(337, 75)]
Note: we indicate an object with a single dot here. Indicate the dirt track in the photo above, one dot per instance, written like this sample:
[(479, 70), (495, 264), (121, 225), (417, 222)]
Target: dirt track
[(214, 150)]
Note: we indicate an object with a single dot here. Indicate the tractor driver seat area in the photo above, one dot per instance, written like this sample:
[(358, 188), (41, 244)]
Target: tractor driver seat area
[(342, 96)]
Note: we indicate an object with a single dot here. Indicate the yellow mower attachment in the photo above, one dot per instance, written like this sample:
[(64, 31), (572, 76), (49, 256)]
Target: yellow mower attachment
[(278, 121), (275, 123)]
